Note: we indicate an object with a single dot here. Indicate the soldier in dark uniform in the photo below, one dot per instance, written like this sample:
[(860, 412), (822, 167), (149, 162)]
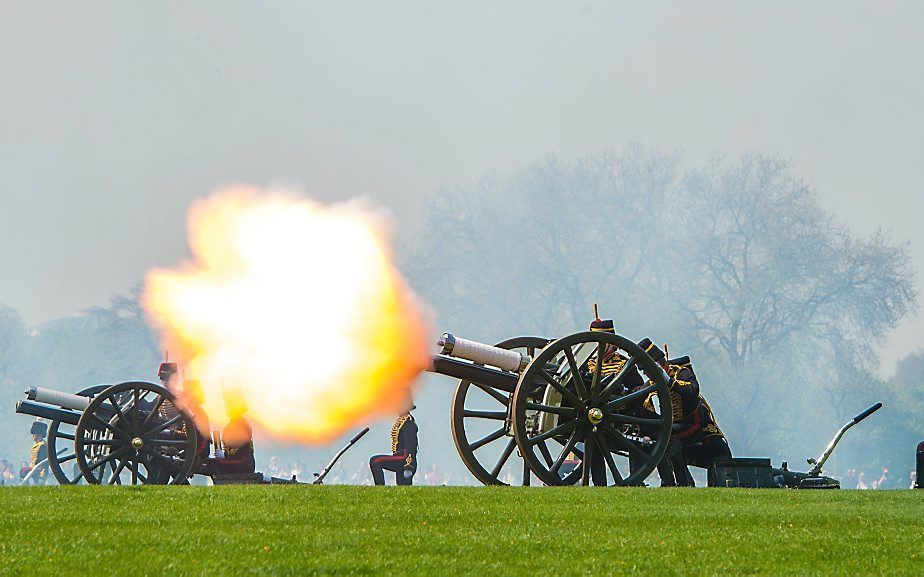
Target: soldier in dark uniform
[(236, 454), (613, 363), (403, 458), (38, 454), (684, 392), (701, 441)]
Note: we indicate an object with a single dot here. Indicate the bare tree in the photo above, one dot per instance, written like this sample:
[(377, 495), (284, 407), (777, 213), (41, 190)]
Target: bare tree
[(765, 270)]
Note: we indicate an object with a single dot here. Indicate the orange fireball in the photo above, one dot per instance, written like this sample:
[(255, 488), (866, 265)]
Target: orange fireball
[(298, 304)]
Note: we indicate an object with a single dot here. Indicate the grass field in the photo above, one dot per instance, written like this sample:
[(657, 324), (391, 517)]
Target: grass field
[(458, 530)]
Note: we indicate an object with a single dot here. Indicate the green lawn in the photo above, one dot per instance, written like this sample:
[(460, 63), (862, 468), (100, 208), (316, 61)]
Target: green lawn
[(457, 530)]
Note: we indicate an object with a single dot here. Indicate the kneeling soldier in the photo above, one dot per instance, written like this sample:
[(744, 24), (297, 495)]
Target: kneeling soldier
[(403, 458), (38, 454)]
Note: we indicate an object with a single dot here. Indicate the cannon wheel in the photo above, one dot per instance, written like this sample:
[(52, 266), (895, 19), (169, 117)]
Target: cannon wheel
[(134, 433), (616, 431), (60, 439), (489, 467)]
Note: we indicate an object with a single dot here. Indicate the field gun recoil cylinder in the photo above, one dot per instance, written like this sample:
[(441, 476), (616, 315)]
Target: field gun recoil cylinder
[(482, 354), (59, 398)]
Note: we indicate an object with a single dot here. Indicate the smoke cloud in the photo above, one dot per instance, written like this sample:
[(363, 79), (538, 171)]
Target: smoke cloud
[(298, 304)]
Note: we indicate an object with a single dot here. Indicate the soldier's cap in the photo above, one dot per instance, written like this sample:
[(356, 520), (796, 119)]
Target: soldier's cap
[(38, 428), (652, 349), (602, 326), (165, 370), (683, 361)]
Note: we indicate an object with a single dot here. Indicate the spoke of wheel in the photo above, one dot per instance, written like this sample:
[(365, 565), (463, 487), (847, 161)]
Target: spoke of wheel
[(67, 436), (147, 462), (605, 448), (558, 387), (630, 420), (67, 458), (598, 369), (144, 425), (118, 411), (587, 460), (562, 429), (494, 415), (115, 431), (116, 472), (630, 398), (487, 439), (630, 364), (575, 374), (135, 470), (109, 457), (499, 397), (135, 411), (162, 426), (563, 411), (113, 467), (508, 450), (625, 443), (565, 451), (141, 477), (544, 450)]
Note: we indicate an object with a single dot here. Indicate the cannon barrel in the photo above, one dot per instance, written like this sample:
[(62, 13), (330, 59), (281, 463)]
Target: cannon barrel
[(59, 398), (466, 371), (43, 411)]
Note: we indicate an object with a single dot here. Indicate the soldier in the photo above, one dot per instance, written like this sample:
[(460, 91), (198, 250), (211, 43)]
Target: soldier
[(684, 392), (236, 454), (403, 458), (702, 442), (38, 454), (613, 362)]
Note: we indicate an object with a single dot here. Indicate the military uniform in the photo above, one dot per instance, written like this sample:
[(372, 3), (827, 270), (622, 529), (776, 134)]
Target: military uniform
[(702, 441), (38, 453), (403, 458)]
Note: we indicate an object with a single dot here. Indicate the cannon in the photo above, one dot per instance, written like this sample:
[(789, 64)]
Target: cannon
[(537, 407), (129, 433)]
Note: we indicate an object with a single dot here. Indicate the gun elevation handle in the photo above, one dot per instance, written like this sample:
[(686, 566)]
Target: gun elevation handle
[(867, 413), (359, 435)]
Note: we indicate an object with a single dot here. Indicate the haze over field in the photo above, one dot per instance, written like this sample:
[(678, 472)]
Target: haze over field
[(116, 118)]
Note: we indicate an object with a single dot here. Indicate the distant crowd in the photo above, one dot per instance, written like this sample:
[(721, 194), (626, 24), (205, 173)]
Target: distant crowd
[(11, 475), (857, 479)]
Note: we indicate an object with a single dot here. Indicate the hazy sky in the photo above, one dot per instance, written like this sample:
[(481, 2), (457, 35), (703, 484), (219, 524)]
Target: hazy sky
[(115, 115)]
